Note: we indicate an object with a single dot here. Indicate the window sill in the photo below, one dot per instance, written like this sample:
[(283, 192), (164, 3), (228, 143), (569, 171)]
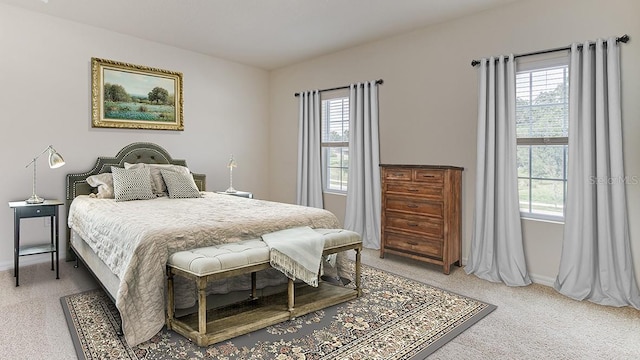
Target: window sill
[(550, 221), (339, 193)]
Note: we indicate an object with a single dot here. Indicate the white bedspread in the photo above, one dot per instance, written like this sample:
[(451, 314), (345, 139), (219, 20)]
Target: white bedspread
[(134, 239)]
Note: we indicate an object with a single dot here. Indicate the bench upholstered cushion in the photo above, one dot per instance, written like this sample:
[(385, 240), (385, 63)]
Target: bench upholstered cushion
[(339, 237), (212, 259)]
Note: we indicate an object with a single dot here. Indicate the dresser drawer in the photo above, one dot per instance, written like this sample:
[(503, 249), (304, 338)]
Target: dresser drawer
[(418, 206), (411, 244), (416, 224), (433, 177), (398, 174), (410, 188)]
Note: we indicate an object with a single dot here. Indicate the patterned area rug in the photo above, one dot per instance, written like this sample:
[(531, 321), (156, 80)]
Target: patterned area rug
[(396, 318)]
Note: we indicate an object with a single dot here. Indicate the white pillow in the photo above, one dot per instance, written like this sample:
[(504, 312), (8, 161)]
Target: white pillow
[(104, 183), (157, 182), (132, 184), (180, 185)]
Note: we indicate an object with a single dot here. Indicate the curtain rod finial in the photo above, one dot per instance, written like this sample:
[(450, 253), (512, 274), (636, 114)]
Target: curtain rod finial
[(624, 38), (475, 62)]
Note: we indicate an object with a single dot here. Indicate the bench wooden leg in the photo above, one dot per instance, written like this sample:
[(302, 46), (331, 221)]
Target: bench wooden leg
[(170, 298), (292, 296), (202, 305), (358, 271), (254, 291)]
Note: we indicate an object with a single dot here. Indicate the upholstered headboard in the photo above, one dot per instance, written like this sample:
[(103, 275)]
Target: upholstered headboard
[(133, 153)]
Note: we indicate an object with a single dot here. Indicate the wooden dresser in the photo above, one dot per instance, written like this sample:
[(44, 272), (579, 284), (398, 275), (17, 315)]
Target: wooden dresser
[(421, 217)]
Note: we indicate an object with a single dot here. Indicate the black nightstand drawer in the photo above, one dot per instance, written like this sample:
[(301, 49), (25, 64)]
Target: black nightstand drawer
[(37, 211)]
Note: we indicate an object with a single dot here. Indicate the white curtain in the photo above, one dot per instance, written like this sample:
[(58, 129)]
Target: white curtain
[(309, 176), (363, 193), (497, 252), (596, 261)]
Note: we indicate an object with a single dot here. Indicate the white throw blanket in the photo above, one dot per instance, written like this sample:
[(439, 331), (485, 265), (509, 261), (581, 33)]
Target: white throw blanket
[(296, 252)]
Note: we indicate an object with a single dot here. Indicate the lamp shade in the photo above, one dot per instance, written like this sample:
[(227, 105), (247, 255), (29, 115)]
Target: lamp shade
[(55, 159)]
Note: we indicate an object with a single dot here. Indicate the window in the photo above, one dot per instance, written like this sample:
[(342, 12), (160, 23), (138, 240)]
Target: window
[(542, 124), (335, 144)]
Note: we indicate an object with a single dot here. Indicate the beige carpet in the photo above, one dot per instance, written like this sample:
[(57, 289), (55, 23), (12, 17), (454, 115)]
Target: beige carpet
[(533, 322)]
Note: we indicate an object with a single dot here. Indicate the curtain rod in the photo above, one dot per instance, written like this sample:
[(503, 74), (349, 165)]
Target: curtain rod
[(624, 38), (378, 82)]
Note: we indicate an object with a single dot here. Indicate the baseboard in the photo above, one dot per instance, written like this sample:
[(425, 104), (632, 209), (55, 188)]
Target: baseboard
[(542, 280)]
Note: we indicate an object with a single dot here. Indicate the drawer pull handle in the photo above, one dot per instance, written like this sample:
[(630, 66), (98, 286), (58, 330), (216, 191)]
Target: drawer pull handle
[(414, 190), (412, 224), (412, 206), (398, 174), (428, 176), (412, 243)]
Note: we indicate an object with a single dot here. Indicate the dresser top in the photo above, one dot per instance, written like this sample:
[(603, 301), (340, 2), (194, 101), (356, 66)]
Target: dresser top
[(435, 167)]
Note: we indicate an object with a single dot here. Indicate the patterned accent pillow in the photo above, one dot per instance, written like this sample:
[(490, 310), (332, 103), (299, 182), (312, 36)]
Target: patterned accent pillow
[(157, 183), (104, 183), (180, 185), (132, 184)]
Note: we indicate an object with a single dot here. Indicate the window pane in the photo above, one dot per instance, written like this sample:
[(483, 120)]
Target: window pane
[(523, 190), (335, 120), (548, 161), (335, 161), (335, 178), (522, 159), (542, 103), (547, 197)]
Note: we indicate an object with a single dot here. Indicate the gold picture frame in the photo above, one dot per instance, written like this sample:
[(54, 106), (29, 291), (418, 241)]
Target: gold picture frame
[(135, 97)]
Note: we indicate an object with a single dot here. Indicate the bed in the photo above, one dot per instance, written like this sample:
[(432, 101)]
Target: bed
[(125, 244)]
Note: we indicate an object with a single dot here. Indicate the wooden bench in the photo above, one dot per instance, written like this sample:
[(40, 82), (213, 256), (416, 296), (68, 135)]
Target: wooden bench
[(249, 256)]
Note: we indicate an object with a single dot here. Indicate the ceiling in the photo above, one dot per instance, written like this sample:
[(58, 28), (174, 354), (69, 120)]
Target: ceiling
[(268, 34)]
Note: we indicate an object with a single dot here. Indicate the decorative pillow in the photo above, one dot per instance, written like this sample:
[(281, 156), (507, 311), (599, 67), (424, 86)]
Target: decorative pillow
[(157, 182), (132, 184), (104, 183), (180, 185)]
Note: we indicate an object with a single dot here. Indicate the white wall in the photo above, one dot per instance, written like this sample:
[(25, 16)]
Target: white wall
[(45, 98), (428, 103)]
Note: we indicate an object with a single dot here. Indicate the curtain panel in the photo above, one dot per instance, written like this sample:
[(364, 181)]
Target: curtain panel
[(596, 263), (363, 193), (309, 174), (497, 252)]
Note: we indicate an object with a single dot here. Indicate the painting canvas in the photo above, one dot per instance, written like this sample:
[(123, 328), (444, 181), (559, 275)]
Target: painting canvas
[(134, 96)]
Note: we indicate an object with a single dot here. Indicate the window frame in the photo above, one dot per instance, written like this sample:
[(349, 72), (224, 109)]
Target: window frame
[(532, 64), (326, 145)]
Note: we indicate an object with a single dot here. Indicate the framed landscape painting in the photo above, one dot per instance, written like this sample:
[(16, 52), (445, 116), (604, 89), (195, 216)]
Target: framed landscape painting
[(135, 97)]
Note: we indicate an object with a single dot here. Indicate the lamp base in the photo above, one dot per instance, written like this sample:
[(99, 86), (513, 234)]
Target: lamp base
[(34, 199), (231, 190)]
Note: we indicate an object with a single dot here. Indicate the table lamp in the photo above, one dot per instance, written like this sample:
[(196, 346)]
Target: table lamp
[(231, 165), (55, 161)]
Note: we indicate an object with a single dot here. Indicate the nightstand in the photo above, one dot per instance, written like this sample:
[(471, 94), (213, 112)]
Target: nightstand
[(243, 194), (22, 210)]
